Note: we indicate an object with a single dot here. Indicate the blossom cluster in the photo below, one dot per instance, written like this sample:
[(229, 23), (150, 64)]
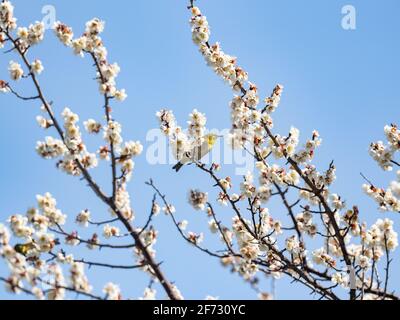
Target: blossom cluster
[(243, 107), (26, 38), (90, 42), (322, 181), (30, 36), (79, 281), (252, 248), (123, 203), (388, 200), (307, 153), (51, 148), (377, 240), (7, 19), (71, 148), (112, 291), (287, 145), (149, 239), (384, 155), (223, 64), (30, 267), (27, 263), (270, 174), (74, 152), (306, 224), (296, 249), (198, 199), (381, 236), (196, 127)]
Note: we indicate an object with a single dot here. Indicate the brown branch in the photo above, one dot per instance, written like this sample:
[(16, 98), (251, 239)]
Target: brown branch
[(61, 232), (292, 216), (19, 96), (170, 213), (102, 265), (221, 231), (56, 286), (107, 110), (387, 268), (151, 215), (28, 292), (168, 287), (6, 281), (395, 163), (98, 224), (382, 294)]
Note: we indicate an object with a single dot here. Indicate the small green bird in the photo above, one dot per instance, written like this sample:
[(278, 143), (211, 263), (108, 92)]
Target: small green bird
[(25, 248), (198, 153)]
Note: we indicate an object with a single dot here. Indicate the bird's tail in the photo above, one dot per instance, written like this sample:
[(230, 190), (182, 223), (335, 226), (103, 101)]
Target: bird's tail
[(178, 167)]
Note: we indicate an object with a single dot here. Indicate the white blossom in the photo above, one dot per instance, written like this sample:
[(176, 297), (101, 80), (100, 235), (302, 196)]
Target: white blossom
[(149, 294), (110, 231), (92, 126), (7, 19), (64, 33), (112, 291), (16, 71), (198, 199), (83, 218)]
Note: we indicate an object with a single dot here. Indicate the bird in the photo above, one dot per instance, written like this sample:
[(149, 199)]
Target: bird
[(197, 153), (24, 249)]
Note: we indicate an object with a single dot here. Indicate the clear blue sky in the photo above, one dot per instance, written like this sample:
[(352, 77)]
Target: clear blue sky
[(343, 83)]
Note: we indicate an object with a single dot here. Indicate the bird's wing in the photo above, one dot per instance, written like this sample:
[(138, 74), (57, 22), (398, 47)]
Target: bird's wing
[(187, 157), (202, 151), (196, 154)]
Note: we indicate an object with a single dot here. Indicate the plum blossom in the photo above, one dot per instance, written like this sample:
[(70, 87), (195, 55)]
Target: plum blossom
[(83, 218), (32, 35), (112, 291), (37, 67), (51, 148), (4, 88), (194, 238), (198, 199), (78, 278), (16, 71), (112, 133), (63, 33), (92, 126), (110, 231), (149, 294), (7, 19)]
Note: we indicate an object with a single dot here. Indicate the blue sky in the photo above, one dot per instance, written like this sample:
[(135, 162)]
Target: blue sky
[(343, 83)]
